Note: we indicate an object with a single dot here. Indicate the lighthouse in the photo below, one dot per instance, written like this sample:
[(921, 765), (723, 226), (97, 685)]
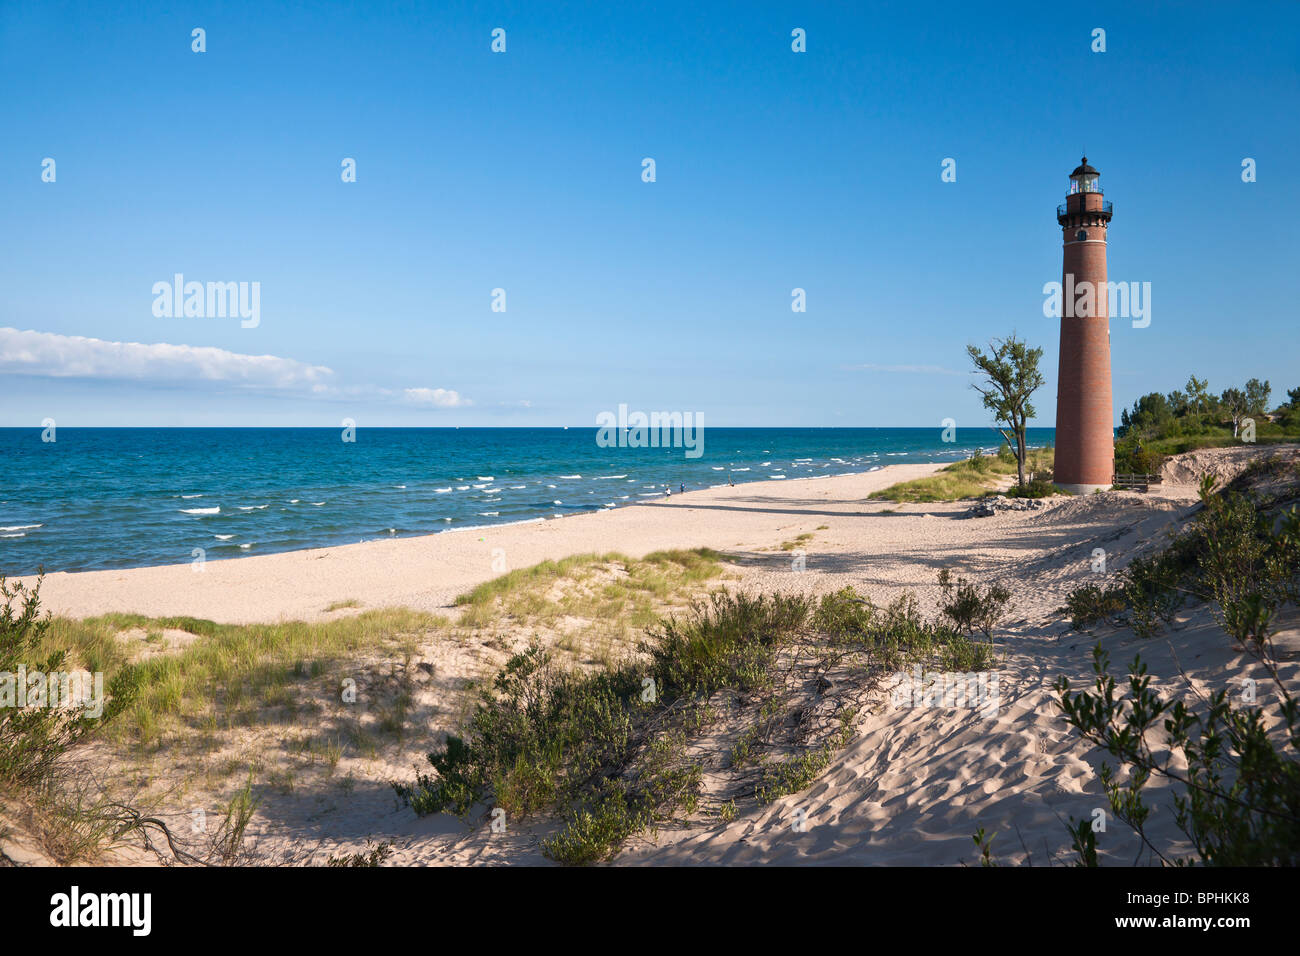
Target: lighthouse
[(1085, 429)]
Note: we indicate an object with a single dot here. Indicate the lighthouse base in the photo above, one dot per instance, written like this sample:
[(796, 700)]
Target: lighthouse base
[(1082, 489)]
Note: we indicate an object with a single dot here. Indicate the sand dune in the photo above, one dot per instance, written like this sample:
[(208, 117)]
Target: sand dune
[(913, 784)]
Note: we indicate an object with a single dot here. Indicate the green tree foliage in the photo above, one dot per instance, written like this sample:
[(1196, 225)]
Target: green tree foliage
[(1011, 376)]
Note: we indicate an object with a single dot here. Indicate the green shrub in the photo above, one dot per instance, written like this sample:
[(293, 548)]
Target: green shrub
[(842, 614), (1038, 488), (1091, 603), (971, 608), (34, 739), (1239, 797), (1237, 785), (729, 641), (607, 751)]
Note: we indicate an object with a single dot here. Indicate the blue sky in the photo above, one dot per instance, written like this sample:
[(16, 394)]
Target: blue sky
[(522, 171)]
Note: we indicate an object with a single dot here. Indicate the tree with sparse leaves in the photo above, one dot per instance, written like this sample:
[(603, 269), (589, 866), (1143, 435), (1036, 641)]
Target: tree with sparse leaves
[(1235, 404), (1198, 392), (1257, 394), (1011, 377)]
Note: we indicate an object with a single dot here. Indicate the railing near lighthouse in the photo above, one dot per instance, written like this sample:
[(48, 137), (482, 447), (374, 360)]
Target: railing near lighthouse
[(1106, 207)]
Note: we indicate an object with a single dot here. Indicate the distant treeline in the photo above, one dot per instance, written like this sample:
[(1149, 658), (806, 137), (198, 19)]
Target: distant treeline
[(1194, 417)]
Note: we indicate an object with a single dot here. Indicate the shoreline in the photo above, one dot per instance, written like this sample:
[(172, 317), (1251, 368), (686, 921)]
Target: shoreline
[(908, 787), (427, 572)]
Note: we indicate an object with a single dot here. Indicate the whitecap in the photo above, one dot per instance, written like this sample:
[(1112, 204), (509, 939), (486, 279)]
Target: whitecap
[(21, 527), (569, 477), (201, 511), (223, 537)]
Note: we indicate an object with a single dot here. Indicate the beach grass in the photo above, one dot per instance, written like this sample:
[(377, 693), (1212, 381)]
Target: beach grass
[(236, 670), (605, 589), (226, 701), (968, 478)]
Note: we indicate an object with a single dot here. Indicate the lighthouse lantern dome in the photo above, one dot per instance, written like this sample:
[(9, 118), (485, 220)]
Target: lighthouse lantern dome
[(1084, 179)]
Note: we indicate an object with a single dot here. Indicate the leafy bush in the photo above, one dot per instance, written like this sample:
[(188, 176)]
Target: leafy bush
[(607, 750), (964, 655), (843, 614), (1240, 799), (1091, 603), (1239, 785), (1231, 555), (376, 857), (33, 739), (971, 608), (728, 642), (1040, 487)]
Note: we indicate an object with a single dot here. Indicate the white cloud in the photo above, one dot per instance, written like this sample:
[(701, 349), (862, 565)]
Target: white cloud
[(49, 355), (73, 356), (438, 397)]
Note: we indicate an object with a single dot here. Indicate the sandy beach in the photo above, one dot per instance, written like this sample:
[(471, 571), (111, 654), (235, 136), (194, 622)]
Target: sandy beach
[(911, 786), (427, 573)]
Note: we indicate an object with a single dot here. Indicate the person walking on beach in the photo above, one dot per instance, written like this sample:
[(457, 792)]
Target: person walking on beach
[(683, 488)]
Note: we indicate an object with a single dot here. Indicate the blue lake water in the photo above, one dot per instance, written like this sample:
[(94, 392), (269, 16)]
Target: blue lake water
[(130, 497)]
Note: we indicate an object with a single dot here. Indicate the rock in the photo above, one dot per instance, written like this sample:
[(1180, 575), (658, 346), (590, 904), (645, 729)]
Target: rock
[(987, 507)]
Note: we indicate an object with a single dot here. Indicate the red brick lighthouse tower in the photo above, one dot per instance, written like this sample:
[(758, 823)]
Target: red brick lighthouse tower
[(1085, 418)]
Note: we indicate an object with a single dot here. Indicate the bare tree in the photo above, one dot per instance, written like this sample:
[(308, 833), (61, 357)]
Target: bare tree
[(1012, 376)]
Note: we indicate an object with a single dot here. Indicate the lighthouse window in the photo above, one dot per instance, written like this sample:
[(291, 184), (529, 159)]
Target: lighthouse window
[(1081, 235)]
